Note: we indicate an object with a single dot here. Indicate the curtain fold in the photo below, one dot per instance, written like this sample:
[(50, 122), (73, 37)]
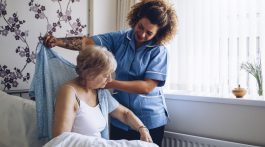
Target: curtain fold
[(123, 8)]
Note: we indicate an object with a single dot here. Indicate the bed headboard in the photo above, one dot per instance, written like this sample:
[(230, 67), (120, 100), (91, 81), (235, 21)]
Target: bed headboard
[(20, 92)]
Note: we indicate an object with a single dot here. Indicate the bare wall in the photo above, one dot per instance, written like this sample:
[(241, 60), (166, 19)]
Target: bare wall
[(235, 120)]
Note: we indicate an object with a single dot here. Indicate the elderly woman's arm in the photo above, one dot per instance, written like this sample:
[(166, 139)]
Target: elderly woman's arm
[(65, 111), (126, 116)]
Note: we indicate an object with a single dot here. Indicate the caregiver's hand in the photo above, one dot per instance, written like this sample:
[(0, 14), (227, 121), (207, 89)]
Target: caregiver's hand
[(49, 41)]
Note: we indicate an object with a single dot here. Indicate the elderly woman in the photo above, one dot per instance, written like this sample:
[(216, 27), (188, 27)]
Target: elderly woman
[(82, 106)]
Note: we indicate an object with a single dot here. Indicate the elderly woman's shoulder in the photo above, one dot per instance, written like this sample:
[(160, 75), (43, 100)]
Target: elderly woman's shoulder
[(67, 89)]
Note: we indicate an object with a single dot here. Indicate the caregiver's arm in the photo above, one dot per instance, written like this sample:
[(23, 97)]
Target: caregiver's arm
[(138, 86), (126, 116), (72, 43)]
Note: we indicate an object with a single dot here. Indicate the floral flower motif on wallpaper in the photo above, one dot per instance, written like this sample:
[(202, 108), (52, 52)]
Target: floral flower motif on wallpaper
[(11, 77), (76, 26)]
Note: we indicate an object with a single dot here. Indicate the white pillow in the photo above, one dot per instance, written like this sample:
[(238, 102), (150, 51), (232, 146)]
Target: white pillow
[(18, 127)]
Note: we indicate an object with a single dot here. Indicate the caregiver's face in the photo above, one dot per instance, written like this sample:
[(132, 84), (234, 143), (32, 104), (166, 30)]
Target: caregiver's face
[(145, 30)]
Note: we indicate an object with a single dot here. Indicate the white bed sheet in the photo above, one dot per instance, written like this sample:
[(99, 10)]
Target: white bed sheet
[(70, 139)]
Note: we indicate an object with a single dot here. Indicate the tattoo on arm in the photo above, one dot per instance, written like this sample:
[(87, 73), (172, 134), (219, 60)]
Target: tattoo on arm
[(72, 43)]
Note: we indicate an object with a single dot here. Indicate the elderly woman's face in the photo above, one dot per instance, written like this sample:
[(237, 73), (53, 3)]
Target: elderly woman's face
[(145, 30), (100, 80)]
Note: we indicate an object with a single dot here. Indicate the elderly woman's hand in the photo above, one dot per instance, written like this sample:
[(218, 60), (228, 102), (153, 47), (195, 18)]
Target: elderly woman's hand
[(126, 116), (49, 41), (144, 135)]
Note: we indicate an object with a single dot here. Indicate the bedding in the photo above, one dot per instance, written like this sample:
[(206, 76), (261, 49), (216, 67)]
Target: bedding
[(70, 139)]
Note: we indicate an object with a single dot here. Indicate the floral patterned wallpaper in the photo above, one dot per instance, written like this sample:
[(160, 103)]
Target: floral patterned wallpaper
[(21, 29)]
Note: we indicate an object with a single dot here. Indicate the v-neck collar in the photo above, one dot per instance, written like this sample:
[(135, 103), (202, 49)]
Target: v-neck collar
[(130, 36)]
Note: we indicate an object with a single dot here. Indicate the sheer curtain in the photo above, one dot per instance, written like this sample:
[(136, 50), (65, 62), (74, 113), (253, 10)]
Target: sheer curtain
[(215, 37), (123, 8)]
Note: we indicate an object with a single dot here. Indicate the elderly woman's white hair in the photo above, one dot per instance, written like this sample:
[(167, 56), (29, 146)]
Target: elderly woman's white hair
[(94, 60)]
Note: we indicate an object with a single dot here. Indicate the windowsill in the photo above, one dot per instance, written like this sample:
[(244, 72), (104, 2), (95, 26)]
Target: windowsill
[(234, 101)]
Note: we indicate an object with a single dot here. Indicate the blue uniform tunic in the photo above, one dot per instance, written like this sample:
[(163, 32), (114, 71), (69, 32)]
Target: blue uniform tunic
[(149, 61)]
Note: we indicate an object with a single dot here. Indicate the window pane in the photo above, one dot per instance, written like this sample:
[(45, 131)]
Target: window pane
[(215, 37)]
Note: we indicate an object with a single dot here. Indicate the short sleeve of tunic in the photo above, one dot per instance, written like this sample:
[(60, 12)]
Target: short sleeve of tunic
[(110, 40), (157, 67)]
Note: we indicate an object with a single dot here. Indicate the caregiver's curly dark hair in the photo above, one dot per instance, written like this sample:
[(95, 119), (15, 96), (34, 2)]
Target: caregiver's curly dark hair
[(159, 12)]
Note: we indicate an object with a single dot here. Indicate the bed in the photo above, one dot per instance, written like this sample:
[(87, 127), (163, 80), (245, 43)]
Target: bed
[(18, 128)]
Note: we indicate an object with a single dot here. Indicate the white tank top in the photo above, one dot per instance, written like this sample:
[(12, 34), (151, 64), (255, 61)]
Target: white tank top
[(89, 120)]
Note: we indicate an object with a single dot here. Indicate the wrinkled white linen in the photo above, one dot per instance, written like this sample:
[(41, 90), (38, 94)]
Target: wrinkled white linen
[(70, 139), (18, 125)]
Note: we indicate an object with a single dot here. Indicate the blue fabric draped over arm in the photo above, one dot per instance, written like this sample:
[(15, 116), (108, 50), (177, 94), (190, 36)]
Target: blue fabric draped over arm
[(51, 71)]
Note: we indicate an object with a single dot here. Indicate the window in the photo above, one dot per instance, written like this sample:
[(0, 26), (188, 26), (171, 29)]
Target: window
[(215, 37)]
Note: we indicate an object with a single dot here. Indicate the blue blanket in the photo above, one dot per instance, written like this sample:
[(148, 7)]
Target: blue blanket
[(51, 71)]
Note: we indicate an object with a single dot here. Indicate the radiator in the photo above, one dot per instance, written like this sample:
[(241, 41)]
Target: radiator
[(172, 139)]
